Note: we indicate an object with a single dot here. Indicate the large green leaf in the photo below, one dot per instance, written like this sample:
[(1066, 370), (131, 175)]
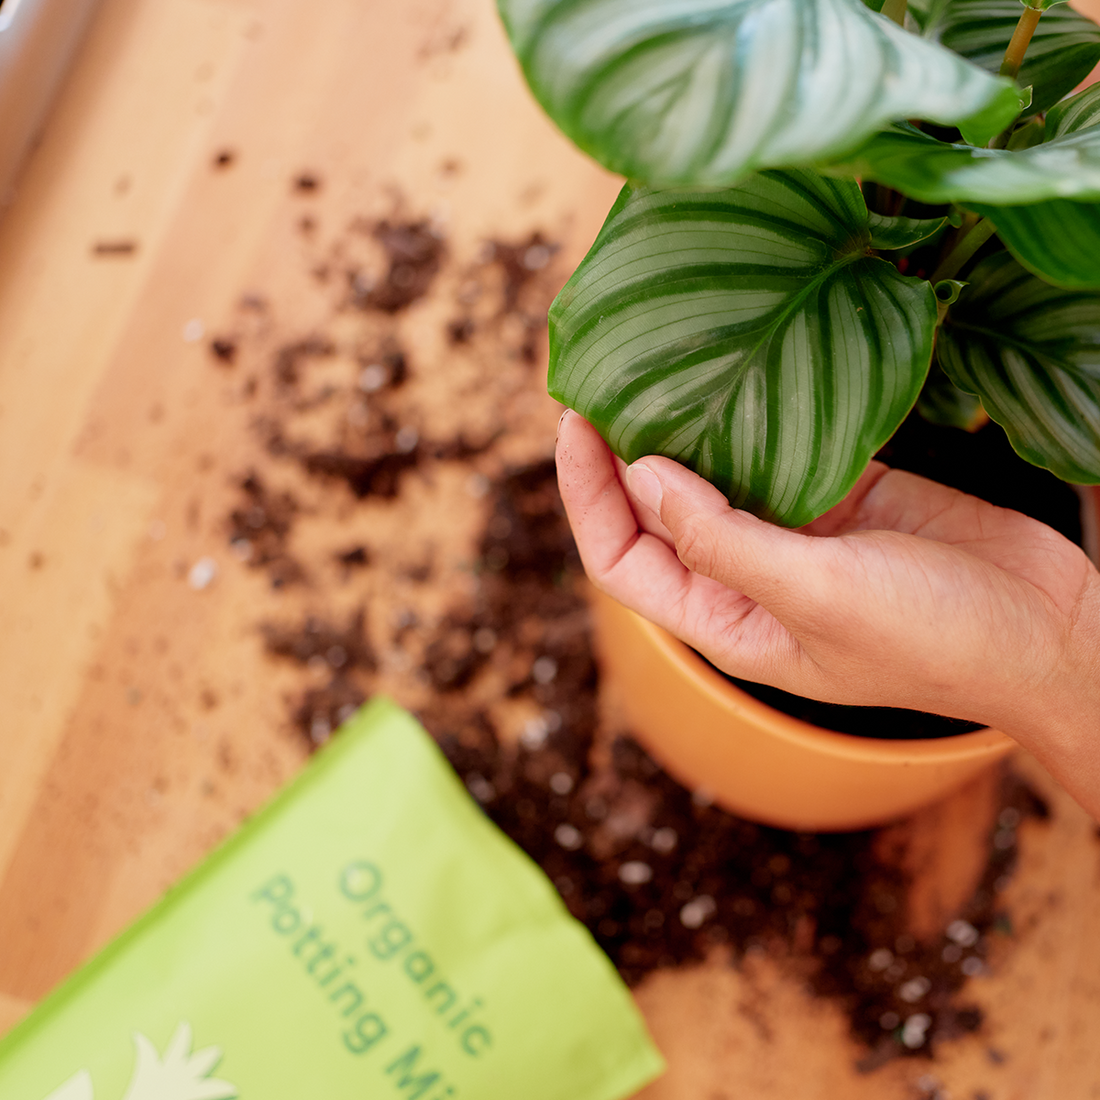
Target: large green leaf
[(1079, 112), (937, 172), (1063, 49), (745, 332), (1058, 239), (706, 91), (891, 234), (1043, 199), (1031, 352), (942, 402)]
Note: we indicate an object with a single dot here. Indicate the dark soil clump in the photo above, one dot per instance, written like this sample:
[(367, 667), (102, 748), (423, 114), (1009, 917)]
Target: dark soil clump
[(364, 476), (224, 349), (259, 529), (339, 653), (322, 710), (520, 262), (291, 357), (319, 641), (414, 253)]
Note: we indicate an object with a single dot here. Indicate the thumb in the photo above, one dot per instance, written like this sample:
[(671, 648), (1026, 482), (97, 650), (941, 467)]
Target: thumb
[(774, 566)]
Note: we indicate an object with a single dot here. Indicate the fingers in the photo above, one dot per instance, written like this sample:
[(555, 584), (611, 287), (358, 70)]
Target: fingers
[(603, 523), (638, 569), (775, 567), (618, 554)]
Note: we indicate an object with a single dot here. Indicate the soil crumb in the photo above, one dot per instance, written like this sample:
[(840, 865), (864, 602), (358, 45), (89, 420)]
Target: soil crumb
[(115, 248), (259, 529), (414, 253)]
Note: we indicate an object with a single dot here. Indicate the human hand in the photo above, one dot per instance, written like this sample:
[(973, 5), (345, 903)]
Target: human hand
[(906, 594)]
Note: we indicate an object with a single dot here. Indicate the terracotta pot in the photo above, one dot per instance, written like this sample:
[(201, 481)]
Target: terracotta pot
[(765, 765), (758, 762)]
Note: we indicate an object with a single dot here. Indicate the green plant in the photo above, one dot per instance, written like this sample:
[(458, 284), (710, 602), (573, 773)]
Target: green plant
[(832, 213)]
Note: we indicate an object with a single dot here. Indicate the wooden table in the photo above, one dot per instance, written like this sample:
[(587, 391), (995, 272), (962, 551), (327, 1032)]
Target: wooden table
[(141, 721)]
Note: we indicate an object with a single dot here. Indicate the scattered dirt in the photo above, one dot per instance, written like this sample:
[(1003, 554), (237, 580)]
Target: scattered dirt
[(489, 642), (115, 248), (307, 183), (415, 253), (260, 527), (223, 350)]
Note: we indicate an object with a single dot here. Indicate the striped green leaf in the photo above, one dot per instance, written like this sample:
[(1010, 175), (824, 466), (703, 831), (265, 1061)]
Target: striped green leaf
[(1058, 240), (746, 332), (707, 91), (1079, 112), (890, 234), (1067, 167), (1031, 352), (1063, 49), (1044, 199), (942, 402)]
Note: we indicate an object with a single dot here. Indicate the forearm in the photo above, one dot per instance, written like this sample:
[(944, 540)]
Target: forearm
[(1060, 724)]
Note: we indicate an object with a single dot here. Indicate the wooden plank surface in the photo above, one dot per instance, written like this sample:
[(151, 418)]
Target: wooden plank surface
[(140, 719)]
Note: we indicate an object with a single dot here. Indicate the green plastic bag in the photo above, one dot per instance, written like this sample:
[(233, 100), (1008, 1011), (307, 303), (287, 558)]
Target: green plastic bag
[(370, 934)]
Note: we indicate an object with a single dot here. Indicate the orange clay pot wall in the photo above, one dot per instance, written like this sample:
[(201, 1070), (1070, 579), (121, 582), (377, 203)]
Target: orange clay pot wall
[(758, 762), (762, 764)]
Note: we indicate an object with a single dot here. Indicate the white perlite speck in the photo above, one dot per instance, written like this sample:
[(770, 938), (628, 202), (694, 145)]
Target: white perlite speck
[(634, 872), (880, 958), (373, 377), (544, 670), (915, 1030), (561, 782), (480, 788), (202, 574), (914, 989), (534, 733), (972, 966), (697, 911), (663, 840), (963, 933)]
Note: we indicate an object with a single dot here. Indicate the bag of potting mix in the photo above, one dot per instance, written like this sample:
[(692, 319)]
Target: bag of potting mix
[(370, 934)]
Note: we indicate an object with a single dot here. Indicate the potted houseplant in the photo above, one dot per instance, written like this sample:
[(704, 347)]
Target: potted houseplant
[(833, 214)]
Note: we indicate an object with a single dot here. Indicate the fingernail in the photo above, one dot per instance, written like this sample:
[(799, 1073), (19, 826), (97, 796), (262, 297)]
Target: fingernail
[(645, 485), (560, 419)]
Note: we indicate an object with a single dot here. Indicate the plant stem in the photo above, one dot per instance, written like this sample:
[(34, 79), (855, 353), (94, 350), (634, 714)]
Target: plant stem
[(1021, 38), (895, 9), (964, 249)]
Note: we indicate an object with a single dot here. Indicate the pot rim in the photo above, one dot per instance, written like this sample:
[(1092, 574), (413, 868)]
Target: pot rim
[(692, 668)]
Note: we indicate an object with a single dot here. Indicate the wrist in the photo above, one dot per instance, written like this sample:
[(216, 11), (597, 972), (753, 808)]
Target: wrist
[(1060, 724)]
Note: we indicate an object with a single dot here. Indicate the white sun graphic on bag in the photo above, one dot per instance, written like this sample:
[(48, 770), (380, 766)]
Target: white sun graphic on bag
[(179, 1075)]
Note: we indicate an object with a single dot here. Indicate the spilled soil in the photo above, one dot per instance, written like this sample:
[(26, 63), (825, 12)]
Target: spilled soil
[(475, 619)]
